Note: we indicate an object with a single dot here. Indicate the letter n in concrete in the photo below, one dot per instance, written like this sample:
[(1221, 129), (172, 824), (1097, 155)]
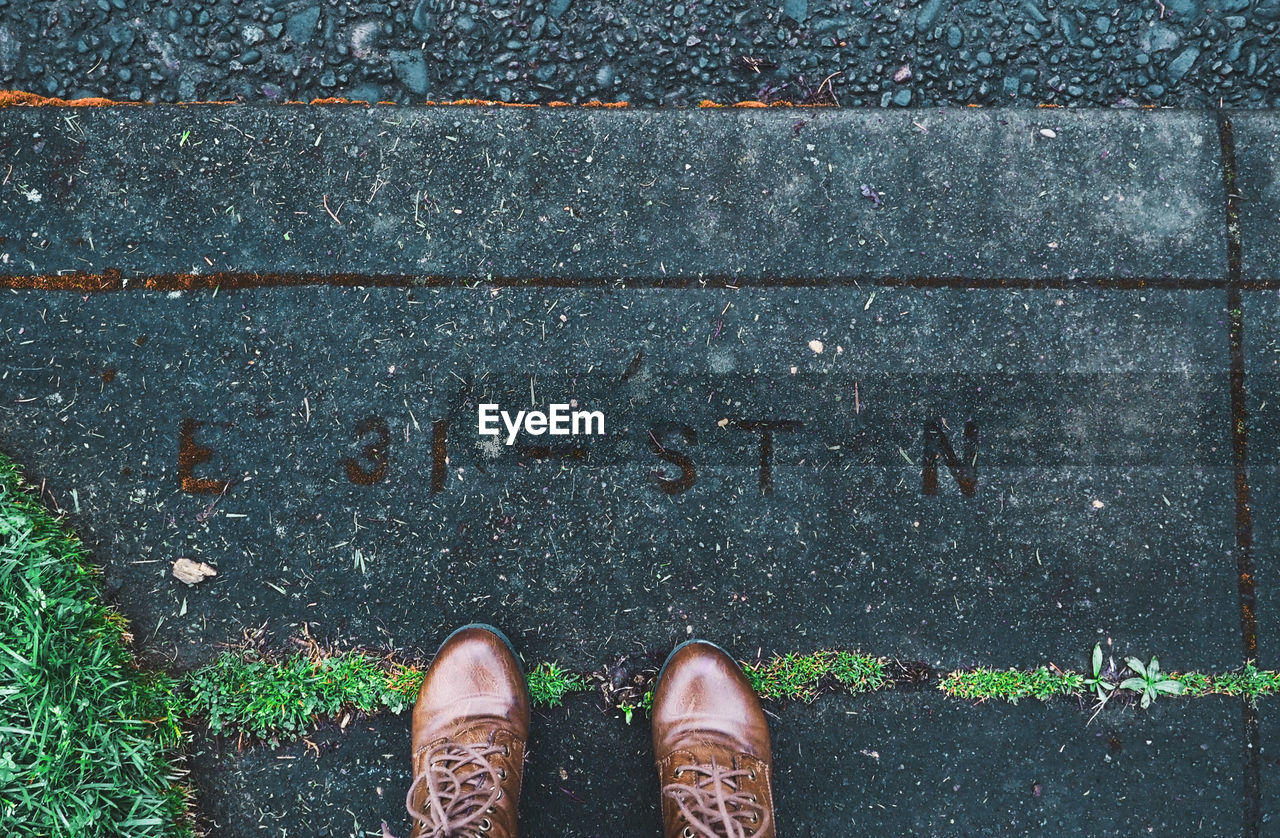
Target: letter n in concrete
[(938, 446)]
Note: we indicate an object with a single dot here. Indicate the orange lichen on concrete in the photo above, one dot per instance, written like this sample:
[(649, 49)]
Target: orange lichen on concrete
[(35, 100), (21, 97), (486, 103), (754, 103), (335, 100)]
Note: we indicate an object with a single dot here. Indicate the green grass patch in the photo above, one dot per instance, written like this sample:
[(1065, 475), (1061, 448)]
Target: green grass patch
[(789, 676), (405, 681), (282, 699), (85, 738)]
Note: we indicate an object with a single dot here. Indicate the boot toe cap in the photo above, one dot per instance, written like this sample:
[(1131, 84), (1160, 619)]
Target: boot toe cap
[(474, 676), (704, 698)]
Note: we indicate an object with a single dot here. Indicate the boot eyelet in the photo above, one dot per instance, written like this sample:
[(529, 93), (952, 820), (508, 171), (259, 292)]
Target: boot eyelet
[(506, 750), (752, 776), (687, 832), (677, 773), (486, 825), (502, 773)]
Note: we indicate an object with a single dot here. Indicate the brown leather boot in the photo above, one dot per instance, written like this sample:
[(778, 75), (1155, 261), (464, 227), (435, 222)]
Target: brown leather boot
[(470, 726), (711, 745)]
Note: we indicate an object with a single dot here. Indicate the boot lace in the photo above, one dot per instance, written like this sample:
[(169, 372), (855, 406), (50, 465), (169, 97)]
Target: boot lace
[(458, 785), (713, 807)]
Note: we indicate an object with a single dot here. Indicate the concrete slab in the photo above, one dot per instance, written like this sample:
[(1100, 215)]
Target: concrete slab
[(1262, 382), (1261, 345), (608, 196), (1269, 753), (1257, 165), (911, 764), (748, 488), (898, 764)]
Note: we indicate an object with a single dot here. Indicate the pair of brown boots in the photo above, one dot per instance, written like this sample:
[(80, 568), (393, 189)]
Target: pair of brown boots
[(471, 723)]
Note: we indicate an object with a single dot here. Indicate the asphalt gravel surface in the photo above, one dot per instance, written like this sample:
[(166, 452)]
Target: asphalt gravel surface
[(1186, 53)]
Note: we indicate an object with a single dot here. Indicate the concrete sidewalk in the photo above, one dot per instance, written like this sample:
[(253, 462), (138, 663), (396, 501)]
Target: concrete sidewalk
[(969, 387)]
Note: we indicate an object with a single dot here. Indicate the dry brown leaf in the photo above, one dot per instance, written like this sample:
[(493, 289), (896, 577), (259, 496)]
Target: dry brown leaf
[(191, 572)]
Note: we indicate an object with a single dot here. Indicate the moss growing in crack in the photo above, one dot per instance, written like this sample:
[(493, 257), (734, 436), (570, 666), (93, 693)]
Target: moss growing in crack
[(282, 699), (859, 673), (1012, 685), (1194, 683), (1252, 683), (1044, 683), (405, 680), (790, 675), (1262, 682), (796, 676), (548, 684)]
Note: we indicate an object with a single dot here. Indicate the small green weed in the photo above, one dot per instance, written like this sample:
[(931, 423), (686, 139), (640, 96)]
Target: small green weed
[(1100, 686), (1150, 681)]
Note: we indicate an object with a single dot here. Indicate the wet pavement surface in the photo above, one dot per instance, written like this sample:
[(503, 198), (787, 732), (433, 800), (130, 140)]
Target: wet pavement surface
[(999, 436)]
